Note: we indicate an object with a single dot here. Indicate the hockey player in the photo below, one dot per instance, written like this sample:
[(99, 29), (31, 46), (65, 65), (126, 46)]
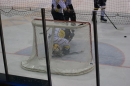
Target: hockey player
[(102, 4), (61, 45), (69, 13), (57, 9)]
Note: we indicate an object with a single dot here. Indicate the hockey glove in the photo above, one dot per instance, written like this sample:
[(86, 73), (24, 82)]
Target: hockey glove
[(57, 10)]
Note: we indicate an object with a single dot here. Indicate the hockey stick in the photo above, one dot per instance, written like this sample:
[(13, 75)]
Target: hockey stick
[(71, 53), (75, 52), (110, 20)]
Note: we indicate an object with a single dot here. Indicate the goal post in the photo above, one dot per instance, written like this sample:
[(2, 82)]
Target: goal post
[(72, 64)]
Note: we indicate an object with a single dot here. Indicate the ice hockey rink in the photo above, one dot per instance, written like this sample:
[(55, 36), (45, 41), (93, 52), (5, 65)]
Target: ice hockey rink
[(114, 61)]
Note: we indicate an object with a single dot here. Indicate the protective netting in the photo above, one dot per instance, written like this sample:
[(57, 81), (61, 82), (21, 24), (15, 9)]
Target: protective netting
[(117, 10), (74, 63)]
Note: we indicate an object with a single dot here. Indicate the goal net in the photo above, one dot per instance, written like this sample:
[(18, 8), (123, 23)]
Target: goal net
[(117, 10), (78, 61)]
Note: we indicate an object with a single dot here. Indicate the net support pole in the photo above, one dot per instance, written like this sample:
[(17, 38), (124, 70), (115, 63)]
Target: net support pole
[(96, 47), (3, 51), (46, 46)]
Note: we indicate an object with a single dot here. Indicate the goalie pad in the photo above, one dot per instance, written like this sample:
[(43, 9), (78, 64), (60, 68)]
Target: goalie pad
[(60, 47), (57, 50), (60, 51), (66, 50)]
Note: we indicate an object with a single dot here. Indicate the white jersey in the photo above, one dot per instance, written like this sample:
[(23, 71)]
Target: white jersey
[(68, 2), (61, 3), (59, 38)]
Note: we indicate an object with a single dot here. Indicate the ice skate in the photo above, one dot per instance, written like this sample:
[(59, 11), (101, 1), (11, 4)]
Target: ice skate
[(103, 20)]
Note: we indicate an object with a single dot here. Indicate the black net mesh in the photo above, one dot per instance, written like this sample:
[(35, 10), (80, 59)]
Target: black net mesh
[(117, 10)]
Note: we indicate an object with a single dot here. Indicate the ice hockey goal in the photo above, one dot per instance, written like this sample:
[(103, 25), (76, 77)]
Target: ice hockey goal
[(76, 63)]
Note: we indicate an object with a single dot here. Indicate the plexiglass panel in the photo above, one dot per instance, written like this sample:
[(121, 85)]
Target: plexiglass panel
[(18, 37), (2, 70), (114, 54)]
